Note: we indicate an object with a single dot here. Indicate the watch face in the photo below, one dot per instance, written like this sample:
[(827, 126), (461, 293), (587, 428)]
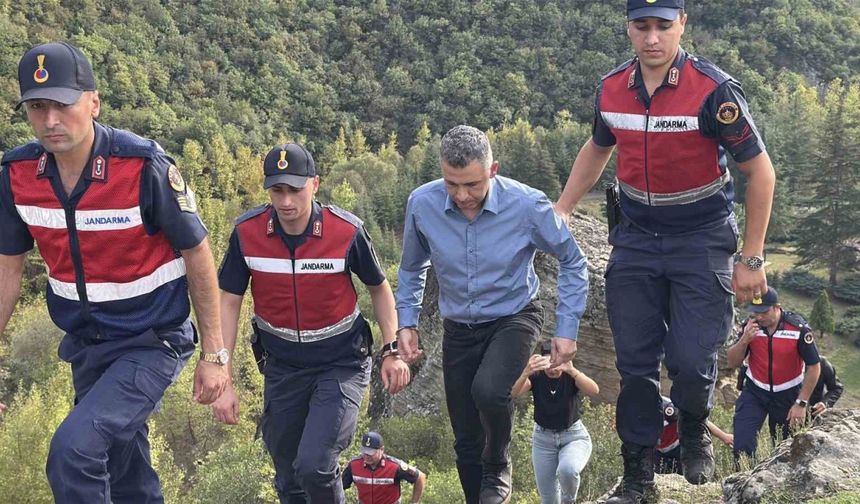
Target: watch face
[(223, 356), (754, 262)]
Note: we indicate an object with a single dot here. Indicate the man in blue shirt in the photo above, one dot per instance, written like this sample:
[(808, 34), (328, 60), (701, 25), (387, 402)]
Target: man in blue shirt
[(480, 231)]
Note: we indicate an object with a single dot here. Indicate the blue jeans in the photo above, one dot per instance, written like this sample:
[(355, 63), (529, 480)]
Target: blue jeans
[(558, 458)]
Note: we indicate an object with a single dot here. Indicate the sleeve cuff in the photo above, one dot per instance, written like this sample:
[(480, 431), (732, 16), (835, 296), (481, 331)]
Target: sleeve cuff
[(567, 328), (407, 317)]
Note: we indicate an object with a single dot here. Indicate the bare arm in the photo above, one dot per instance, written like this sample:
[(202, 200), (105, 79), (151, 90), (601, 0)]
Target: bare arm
[(418, 488), (586, 169), (761, 180), (720, 434), (395, 372), (535, 364), (736, 353), (809, 381), (231, 306), (583, 382), (11, 270), (209, 378)]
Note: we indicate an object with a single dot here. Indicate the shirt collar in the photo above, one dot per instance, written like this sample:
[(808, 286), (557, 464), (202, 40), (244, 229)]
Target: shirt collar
[(672, 78), (97, 166), (314, 228), (491, 201)]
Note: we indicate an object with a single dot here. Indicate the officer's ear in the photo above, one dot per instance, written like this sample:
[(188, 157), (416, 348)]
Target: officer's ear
[(316, 183), (682, 18), (96, 103)]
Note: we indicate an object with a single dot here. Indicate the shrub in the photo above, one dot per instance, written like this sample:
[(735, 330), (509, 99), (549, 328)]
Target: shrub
[(803, 281), (848, 290)]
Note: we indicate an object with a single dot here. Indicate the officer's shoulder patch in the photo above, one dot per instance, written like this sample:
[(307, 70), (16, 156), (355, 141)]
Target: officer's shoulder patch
[(808, 338), (250, 214), (728, 112), (343, 214), (127, 144), (620, 68), (30, 150), (711, 70)]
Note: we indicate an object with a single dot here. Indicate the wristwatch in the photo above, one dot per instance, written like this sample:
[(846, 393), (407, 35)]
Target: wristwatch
[(221, 357), (753, 263), (389, 349), (801, 403)]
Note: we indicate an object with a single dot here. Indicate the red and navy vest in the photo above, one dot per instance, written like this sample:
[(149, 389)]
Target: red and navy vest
[(107, 276), (380, 485), (305, 297), (672, 177), (774, 362)]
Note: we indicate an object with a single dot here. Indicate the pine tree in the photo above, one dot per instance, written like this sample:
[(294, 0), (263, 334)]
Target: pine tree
[(822, 314), (832, 189)]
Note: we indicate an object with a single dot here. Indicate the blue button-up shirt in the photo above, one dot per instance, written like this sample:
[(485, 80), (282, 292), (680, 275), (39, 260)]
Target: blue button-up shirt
[(485, 267)]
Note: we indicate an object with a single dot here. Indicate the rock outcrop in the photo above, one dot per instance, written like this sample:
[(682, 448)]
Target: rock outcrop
[(820, 462), (595, 355)]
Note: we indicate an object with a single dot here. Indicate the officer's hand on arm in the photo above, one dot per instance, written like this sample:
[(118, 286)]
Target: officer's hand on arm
[(407, 344), (225, 409), (818, 409), (395, 373), (563, 350)]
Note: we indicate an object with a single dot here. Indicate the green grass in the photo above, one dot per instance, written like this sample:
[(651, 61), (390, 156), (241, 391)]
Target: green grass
[(842, 498)]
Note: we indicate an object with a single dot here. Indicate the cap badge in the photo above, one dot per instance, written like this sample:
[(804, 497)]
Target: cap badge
[(282, 163), (43, 162), (367, 442), (728, 113), (98, 168), (177, 183), (756, 301), (41, 74), (650, 1), (673, 76)]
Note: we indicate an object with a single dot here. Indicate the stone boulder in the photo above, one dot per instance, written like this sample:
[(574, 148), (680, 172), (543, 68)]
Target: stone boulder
[(820, 462)]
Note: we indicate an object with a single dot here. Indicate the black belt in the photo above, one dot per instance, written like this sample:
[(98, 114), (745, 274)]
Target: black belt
[(471, 326)]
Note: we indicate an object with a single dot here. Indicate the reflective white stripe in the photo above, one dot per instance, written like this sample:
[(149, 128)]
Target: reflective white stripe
[(676, 198), (776, 388), (669, 448), (269, 265), (110, 291), (656, 124), (373, 481), (85, 220), (303, 266), (310, 335), (787, 334)]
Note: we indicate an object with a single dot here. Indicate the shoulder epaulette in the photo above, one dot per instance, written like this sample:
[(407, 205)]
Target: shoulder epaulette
[(795, 319), (31, 150), (711, 70), (619, 68), (250, 214), (127, 144), (343, 214)]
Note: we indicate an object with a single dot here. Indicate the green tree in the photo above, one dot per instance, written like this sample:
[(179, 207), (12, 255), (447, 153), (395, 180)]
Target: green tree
[(833, 188), (822, 314)]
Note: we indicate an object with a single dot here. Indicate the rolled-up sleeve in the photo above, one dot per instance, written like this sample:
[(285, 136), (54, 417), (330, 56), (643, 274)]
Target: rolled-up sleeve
[(412, 275), (550, 234)]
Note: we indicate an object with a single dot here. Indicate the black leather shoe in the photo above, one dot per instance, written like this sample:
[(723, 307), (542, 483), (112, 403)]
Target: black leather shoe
[(697, 451), (496, 485), (637, 485)]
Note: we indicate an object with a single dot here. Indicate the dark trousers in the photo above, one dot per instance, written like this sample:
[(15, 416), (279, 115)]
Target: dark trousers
[(668, 298), (100, 452), (309, 418), (480, 365), (751, 408)]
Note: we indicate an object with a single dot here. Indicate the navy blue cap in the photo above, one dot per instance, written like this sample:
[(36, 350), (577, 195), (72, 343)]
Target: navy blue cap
[(289, 164), (769, 300), (371, 442), (663, 9), (57, 71)]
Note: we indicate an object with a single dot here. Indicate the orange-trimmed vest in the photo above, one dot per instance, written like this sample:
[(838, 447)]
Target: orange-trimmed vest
[(107, 276), (305, 299), (672, 177), (774, 363)]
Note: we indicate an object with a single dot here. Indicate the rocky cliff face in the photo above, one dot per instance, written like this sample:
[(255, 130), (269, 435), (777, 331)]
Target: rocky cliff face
[(821, 462), (595, 354)]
